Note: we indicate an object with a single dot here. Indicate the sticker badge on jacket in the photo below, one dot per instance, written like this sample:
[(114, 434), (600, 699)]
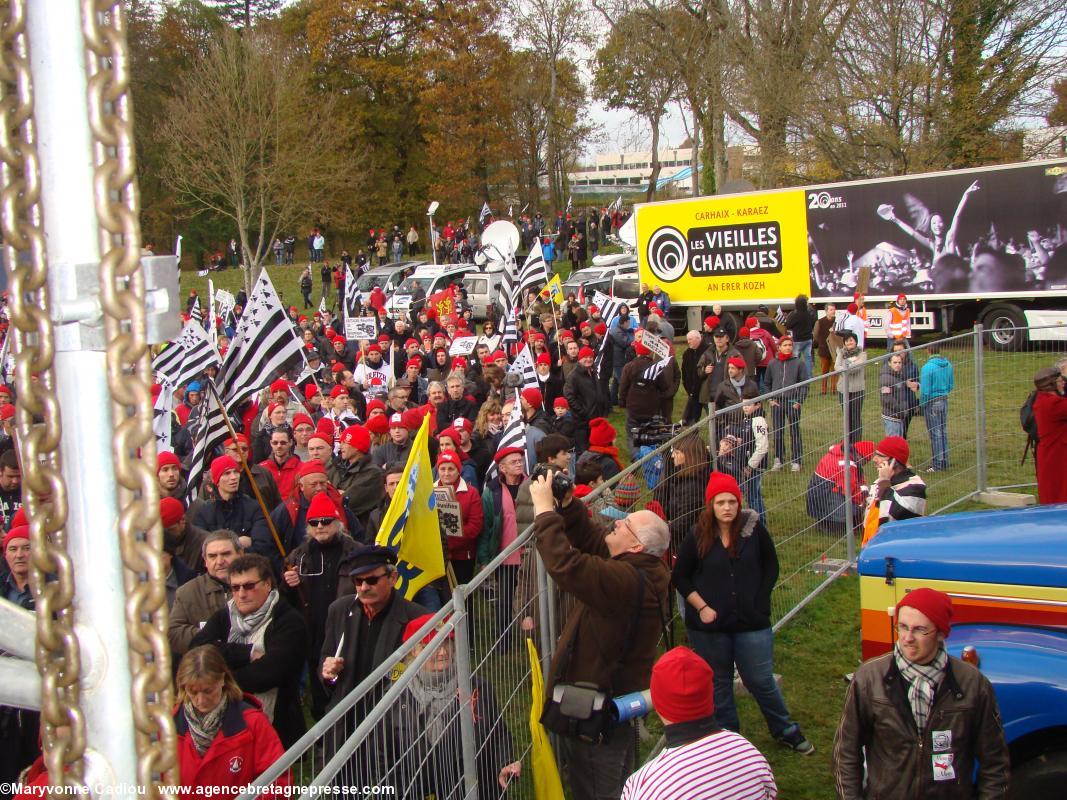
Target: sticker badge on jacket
[(942, 741), (943, 770)]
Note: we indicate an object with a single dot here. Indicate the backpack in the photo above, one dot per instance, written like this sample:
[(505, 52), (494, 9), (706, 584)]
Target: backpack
[(1029, 424), (761, 349)]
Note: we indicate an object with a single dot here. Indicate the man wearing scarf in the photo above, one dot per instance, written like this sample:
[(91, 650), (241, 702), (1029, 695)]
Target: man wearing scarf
[(264, 641), (923, 717), (699, 758)]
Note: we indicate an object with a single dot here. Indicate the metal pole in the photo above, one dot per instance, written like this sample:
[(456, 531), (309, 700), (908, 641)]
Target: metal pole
[(980, 454), (846, 417), (433, 241), (544, 602), (57, 65), (463, 675)]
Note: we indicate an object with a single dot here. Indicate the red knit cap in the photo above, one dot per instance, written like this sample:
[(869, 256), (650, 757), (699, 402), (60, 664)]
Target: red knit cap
[(279, 385), (720, 483), (640, 349), (337, 391), (463, 424), (326, 426), (498, 355), (310, 391), (587, 352), (895, 447), (852, 308), (375, 405), (358, 437), (681, 686), (312, 467), (935, 605), (379, 423), (322, 437), (321, 507), (744, 333), (165, 458), (865, 449), (450, 457), (601, 432), (751, 322), (450, 433), (544, 359), (561, 402), (302, 419), (413, 627), (533, 397), (220, 465), (171, 511), (504, 452), (413, 418), (737, 363), (17, 532), (599, 330), (337, 368), (712, 322)]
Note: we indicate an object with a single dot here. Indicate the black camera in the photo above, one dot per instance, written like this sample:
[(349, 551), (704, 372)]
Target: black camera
[(561, 481), (653, 433)]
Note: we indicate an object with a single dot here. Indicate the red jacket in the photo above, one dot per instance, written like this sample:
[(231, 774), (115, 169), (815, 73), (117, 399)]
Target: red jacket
[(1050, 412), (769, 344), (831, 466), (245, 746), (285, 475), (463, 548)]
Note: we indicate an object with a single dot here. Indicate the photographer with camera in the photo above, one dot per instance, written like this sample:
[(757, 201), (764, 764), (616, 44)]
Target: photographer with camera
[(609, 641), (640, 391)]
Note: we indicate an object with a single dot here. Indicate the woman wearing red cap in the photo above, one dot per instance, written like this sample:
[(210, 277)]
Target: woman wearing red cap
[(462, 548), (726, 569), (426, 731)]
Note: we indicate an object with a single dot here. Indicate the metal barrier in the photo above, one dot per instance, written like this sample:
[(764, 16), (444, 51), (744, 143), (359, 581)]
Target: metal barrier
[(390, 732)]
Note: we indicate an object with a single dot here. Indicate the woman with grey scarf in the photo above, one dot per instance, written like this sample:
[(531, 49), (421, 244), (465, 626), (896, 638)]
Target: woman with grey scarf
[(224, 739), (426, 751)]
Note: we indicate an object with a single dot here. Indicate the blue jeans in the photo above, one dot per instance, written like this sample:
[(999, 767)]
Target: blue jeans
[(893, 427), (753, 654), (787, 416), (936, 412), (803, 350), (753, 490)]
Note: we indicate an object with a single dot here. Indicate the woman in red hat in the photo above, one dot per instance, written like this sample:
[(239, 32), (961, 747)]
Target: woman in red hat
[(725, 570), (462, 548)]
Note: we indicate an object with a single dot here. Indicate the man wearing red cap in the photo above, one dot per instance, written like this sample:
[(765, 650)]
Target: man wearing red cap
[(919, 719), (372, 375), (898, 493), (232, 510), (184, 539), (291, 515), (16, 581), (398, 448), (354, 474), (586, 396), (238, 449), (737, 386), (700, 759)]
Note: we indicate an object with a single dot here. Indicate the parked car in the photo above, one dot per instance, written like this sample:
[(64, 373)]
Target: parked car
[(427, 280), (388, 278), (483, 290)]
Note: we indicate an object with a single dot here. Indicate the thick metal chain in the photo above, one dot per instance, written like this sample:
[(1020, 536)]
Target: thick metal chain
[(128, 370), (44, 491)]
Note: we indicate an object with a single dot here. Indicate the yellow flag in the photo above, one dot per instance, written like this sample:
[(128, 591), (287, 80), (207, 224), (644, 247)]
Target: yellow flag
[(410, 525), (555, 290), (547, 785)]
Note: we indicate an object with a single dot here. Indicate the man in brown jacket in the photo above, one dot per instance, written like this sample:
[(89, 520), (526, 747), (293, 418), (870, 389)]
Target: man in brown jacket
[(923, 717), (613, 577), (201, 597)]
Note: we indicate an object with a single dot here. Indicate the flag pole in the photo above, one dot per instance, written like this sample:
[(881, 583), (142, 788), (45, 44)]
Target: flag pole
[(248, 472)]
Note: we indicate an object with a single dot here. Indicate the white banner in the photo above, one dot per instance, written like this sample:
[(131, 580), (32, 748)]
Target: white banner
[(357, 328), (660, 349), (600, 300), (463, 346)]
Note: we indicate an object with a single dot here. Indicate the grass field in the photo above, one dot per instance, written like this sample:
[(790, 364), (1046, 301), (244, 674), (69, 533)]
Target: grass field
[(819, 646)]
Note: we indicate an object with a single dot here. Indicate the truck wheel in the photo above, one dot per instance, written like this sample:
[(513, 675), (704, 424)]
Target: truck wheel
[(1005, 324), (1041, 776)]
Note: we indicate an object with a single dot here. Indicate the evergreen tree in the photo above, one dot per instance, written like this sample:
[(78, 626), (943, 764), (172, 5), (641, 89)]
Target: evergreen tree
[(244, 13)]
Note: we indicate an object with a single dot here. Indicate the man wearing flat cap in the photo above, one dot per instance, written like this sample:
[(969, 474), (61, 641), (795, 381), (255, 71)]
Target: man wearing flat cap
[(370, 623), (923, 719), (1050, 413)]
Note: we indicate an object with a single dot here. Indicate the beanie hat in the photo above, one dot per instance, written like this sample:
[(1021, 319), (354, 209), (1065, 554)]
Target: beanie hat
[(240, 437), (544, 359), (337, 391), (220, 465), (165, 458), (413, 419), (560, 402), (720, 482), (640, 349), (397, 421), (586, 352), (857, 296), (171, 511), (739, 363), (413, 627), (379, 424), (272, 407), (312, 467), (463, 424), (935, 605), (375, 405), (601, 432), (712, 321), (896, 447), (358, 437), (280, 385), (451, 433), (751, 322), (504, 452), (411, 343), (533, 397), (865, 449), (852, 308), (594, 309), (498, 355), (322, 437), (599, 330), (627, 491), (7, 411), (652, 307), (415, 361), (322, 506), (17, 532), (326, 426), (337, 368), (302, 419), (310, 391), (19, 518), (450, 457), (681, 686)]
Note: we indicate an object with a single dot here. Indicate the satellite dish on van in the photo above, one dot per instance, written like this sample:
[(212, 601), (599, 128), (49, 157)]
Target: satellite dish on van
[(628, 232), (500, 240)]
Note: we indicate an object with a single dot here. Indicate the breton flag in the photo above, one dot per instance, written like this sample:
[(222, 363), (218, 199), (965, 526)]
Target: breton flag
[(209, 438), (485, 213), (162, 409), (569, 199), (514, 436), (186, 357), (322, 305), (534, 272), (609, 309), (410, 525), (352, 304), (655, 370), (261, 348), (523, 366), (779, 316), (196, 312), (617, 205)]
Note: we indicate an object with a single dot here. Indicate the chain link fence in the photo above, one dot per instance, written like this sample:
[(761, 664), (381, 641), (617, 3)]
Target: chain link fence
[(446, 717)]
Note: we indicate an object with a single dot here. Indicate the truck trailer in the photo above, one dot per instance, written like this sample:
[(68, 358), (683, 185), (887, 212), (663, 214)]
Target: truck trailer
[(985, 245)]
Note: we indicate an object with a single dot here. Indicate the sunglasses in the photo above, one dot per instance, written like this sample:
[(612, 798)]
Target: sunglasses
[(370, 580), (245, 587), (320, 522)]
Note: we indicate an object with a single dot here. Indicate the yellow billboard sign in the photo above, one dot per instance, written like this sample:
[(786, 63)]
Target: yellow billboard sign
[(752, 248)]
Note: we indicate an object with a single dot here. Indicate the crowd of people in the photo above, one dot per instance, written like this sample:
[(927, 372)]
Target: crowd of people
[(281, 599)]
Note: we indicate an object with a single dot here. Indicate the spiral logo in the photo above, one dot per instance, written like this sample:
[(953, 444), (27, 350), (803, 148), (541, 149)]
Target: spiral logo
[(668, 254)]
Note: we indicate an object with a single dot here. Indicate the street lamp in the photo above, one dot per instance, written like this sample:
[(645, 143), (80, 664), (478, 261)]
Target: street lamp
[(433, 239)]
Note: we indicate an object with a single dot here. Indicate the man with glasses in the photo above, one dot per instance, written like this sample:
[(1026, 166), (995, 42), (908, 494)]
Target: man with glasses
[(264, 641), (290, 517), (363, 631), (197, 600), (313, 575), (923, 718)]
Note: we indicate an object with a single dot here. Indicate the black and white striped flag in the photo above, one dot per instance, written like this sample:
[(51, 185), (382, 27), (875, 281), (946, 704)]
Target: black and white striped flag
[(196, 312), (523, 366), (514, 436), (186, 357), (609, 310), (162, 409), (779, 316), (655, 370), (210, 436), (352, 304), (534, 272), (569, 203), (263, 346), (486, 213)]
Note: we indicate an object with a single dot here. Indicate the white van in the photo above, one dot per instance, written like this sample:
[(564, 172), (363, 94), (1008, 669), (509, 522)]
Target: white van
[(387, 278), (427, 280), (483, 290)]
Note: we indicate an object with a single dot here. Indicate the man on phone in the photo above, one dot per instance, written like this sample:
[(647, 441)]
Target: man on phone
[(899, 492)]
